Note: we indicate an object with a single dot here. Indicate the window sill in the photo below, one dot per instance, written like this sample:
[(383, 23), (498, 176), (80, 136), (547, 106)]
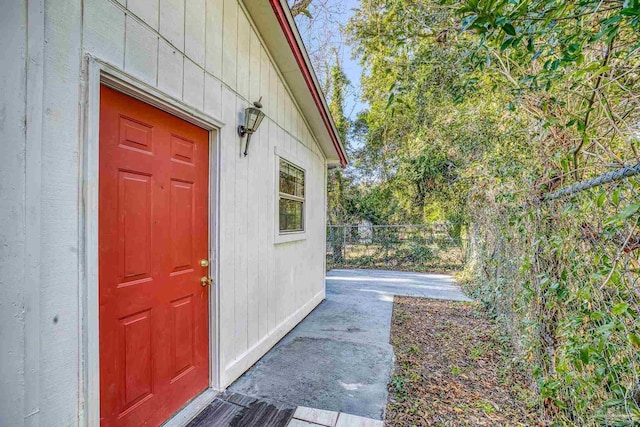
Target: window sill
[(290, 237)]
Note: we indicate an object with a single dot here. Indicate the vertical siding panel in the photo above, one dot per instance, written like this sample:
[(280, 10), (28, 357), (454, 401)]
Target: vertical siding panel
[(244, 40), (288, 114), (253, 241), (59, 284), (194, 38), (305, 291), (212, 96), (280, 143), (226, 256), (193, 86), (213, 37), (297, 149), (301, 280), (19, 293), (296, 251), (240, 223), (282, 257), (255, 211), (289, 144), (141, 52), (278, 251), (272, 98), (322, 179), (103, 31), (281, 103), (261, 214), (285, 109), (295, 122), (316, 256), (272, 203), (307, 139), (147, 10), (254, 68), (172, 22), (300, 130), (170, 69), (266, 216), (281, 278), (286, 141), (229, 42)]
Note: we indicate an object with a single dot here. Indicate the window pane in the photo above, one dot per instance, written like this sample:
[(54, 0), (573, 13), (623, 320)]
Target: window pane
[(290, 215), (291, 179)]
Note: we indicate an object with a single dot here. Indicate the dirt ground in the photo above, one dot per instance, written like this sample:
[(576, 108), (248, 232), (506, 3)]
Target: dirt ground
[(453, 368)]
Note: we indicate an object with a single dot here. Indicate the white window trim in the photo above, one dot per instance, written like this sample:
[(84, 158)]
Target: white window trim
[(289, 236)]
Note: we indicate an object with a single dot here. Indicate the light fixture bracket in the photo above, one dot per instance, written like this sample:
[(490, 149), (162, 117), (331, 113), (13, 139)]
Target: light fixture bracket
[(253, 117)]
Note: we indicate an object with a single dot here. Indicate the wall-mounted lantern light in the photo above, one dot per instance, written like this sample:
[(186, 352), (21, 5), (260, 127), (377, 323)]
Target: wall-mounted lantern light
[(252, 118)]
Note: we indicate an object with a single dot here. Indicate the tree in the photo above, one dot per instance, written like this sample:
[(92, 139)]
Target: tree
[(478, 109), (573, 66), (319, 25), (337, 209), (301, 7), (421, 135)]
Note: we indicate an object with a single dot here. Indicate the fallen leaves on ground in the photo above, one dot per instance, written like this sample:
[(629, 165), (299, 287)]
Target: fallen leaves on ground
[(453, 368)]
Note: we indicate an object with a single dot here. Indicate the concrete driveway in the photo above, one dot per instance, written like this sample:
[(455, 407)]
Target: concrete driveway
[(339, 357)]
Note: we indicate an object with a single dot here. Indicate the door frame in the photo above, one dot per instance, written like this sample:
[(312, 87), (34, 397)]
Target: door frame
[(95, 73)]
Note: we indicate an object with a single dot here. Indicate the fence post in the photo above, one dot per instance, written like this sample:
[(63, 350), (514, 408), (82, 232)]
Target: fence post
[(344, 243)]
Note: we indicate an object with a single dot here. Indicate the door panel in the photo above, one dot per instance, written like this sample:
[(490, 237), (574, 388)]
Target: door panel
[(134, 226), (153, 231), (182, 343), (182, 225), (136, 345)]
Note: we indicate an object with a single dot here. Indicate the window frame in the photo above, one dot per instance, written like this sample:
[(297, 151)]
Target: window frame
[(284, 236)]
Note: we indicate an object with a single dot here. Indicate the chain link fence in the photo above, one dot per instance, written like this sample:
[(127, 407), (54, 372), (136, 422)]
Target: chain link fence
[(589, 281), (424, 247), (564, 275)]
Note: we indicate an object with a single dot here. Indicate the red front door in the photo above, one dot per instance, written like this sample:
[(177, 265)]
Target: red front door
[(153, 232)]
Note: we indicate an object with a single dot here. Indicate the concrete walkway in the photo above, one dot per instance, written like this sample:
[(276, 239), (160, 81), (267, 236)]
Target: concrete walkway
[(339, 358)]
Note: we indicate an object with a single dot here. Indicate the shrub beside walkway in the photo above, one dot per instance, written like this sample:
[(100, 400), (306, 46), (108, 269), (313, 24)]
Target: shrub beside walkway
[(453, 368)]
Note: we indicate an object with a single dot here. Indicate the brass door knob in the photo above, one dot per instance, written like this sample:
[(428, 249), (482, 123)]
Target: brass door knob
[(204, 263), (206, 281)]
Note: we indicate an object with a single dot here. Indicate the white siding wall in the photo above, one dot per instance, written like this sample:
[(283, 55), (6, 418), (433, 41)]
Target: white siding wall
[(13, 43), (215, 61), (206, 54), (39, 213)]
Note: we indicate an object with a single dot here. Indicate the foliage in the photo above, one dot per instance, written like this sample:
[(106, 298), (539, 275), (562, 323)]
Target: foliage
[(301, 7), (338, 207), (573, 66), (418, 134), (433, 247), (563, 274), (478, 108)]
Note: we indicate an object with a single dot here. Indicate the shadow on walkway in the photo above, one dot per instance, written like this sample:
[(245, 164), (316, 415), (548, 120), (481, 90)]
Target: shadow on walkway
[(339, 357)]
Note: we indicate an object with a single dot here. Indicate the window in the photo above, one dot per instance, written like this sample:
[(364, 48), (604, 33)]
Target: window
[(291, 203)]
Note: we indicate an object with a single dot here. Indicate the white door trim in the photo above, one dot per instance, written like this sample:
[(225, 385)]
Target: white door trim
[(96, 72)]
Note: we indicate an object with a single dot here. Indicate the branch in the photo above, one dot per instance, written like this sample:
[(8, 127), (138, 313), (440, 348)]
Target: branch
[(564, 18), (576, 152), (300, 6)]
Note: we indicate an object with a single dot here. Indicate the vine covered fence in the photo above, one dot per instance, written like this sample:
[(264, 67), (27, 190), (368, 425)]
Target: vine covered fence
[(563, 275), (422, 247)]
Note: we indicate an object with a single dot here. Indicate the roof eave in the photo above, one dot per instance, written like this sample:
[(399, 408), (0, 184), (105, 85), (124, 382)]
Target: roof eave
[(295, 65)]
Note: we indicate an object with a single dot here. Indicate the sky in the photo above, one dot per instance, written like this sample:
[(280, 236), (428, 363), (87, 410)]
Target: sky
[(329, 16)]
